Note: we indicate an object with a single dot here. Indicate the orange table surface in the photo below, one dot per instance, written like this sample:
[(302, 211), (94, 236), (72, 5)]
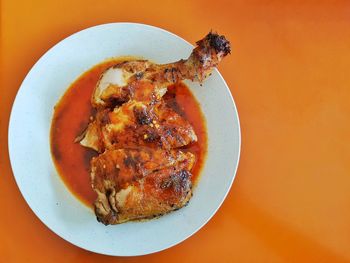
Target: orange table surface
[(289, 74)]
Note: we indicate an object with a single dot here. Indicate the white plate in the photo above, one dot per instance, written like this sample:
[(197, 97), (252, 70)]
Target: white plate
[(35, 173)]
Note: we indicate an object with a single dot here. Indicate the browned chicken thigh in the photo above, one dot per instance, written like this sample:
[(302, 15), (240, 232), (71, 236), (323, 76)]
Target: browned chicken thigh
[(140, 172), (140, 183)]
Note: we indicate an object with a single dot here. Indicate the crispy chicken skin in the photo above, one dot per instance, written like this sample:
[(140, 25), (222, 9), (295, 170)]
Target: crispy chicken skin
[(140, 183), (140, 171)]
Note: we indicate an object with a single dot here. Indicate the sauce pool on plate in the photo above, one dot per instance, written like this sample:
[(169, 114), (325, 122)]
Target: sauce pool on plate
[(72, 114)]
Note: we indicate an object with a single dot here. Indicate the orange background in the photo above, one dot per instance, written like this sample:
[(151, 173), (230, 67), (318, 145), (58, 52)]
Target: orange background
[(289, 73)]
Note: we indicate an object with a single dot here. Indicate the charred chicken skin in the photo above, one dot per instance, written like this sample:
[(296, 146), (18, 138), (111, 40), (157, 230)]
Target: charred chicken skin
[(141, 171)]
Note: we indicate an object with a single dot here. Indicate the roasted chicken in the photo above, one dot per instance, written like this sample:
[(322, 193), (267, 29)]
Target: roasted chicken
[(142, 80), (137, 123), (141, 172), (140, 183)]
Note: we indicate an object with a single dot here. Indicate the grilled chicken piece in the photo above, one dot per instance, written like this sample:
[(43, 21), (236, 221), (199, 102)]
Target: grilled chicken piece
[(141, 84), (139, 173), (139, 124), (140, 183), (121, 82)]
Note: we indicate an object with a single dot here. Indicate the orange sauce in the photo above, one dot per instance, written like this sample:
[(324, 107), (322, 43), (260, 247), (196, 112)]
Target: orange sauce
[(71, 117)]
